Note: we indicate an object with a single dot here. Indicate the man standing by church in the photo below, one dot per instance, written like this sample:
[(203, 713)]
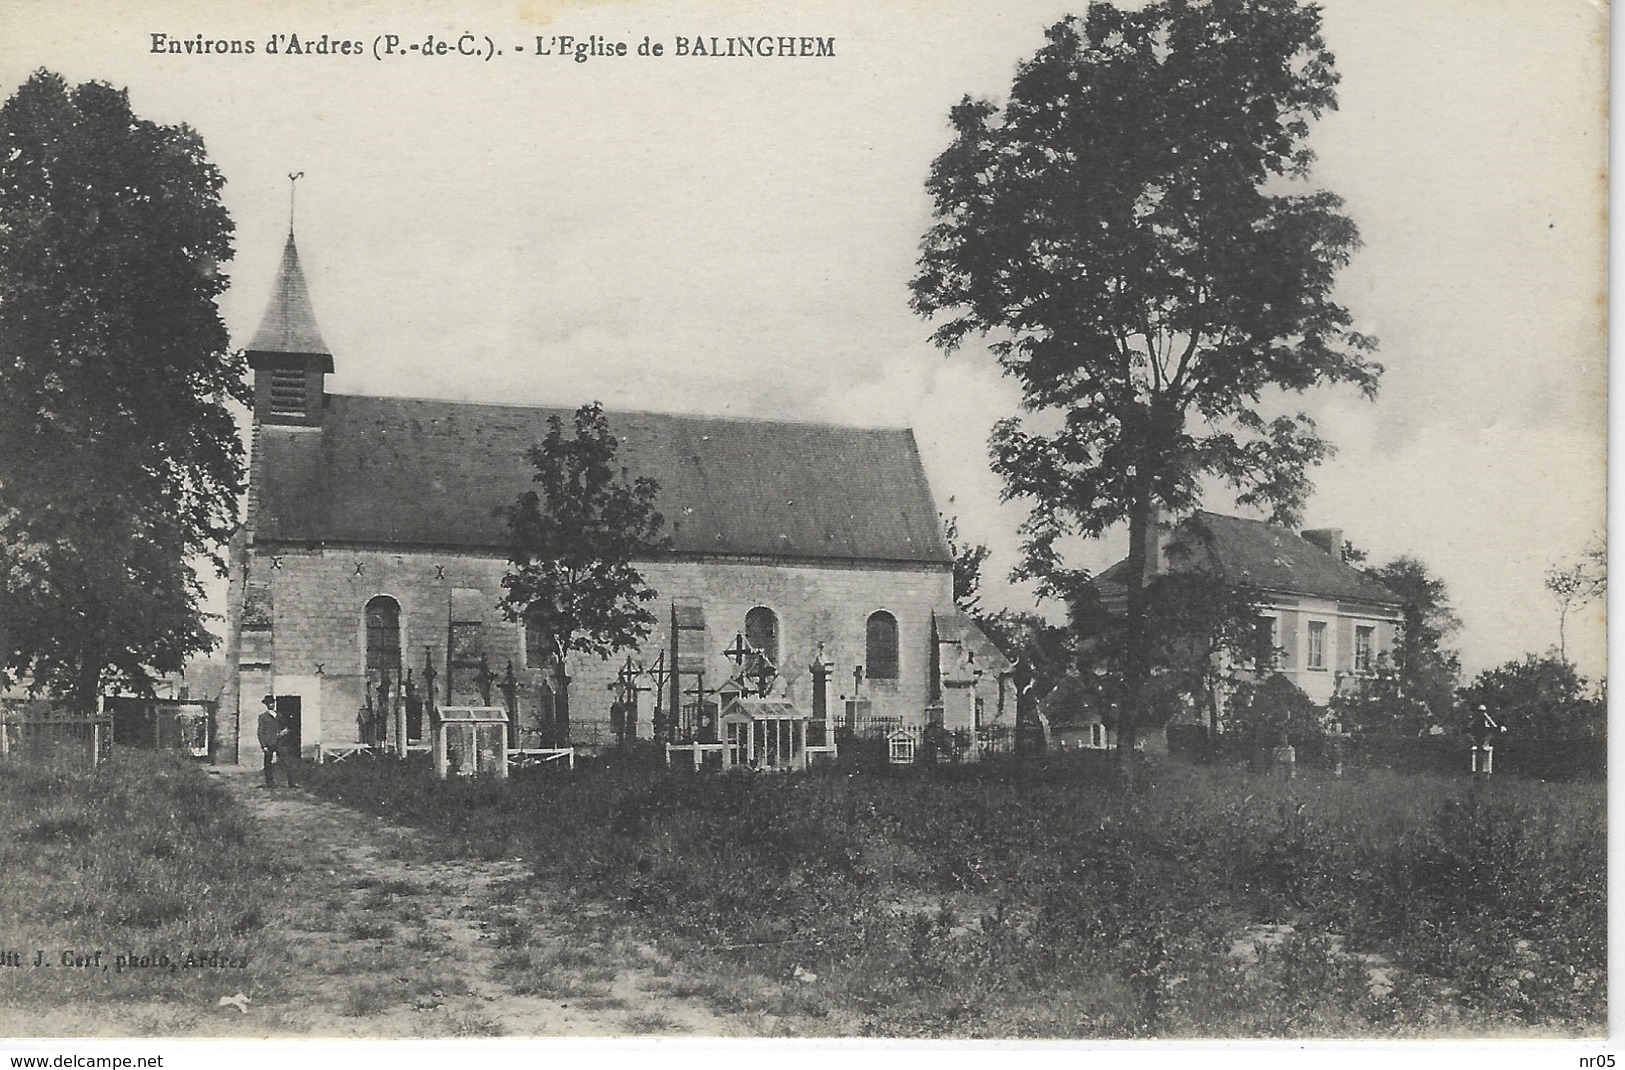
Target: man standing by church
[(276, 740), (270, 733)]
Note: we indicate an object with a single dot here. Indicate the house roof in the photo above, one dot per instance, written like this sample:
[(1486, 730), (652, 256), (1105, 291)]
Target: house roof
[(418, 473), (1256, 554), (289, 325)]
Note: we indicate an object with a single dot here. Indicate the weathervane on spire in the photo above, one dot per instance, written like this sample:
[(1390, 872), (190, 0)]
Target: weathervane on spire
[(293, 177)]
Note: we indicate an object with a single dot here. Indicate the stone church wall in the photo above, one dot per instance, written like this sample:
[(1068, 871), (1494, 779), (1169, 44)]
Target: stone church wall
[(315, 603)]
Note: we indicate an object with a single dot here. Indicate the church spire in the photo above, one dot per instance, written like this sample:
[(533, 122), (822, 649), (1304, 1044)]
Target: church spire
[(289, 325), (289, 358)]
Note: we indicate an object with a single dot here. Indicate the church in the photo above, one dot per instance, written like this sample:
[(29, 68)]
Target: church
[(806, 597)]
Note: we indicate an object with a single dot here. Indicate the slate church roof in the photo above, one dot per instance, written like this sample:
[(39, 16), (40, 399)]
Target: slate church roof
[(1255, 554), (420, 474)]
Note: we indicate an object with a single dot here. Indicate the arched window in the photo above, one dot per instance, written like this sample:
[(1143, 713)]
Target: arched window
[(762, 632), (383, 634), (881, 646)]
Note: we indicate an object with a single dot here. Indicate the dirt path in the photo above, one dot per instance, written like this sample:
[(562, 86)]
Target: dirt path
[(474, 947), (380, 940)]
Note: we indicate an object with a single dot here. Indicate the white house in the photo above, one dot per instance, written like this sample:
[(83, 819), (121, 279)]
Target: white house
[(1328, 622)]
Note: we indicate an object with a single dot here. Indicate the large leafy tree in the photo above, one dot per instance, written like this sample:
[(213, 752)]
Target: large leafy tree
[(1425, 668), (119, 458), (1540, 697), (573, 544), (1132, 233)]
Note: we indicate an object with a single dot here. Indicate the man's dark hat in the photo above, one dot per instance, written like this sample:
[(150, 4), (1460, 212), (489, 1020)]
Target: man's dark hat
[(269, 700)]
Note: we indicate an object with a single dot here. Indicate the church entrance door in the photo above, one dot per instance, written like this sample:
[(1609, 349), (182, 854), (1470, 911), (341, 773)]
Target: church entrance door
[(290, 711)]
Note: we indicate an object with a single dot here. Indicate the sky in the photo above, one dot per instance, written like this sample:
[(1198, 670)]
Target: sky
[(736, 237)]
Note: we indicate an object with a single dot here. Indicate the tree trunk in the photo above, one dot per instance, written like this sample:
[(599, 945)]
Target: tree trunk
[(1137, 637), (87, 679), (561, 693)]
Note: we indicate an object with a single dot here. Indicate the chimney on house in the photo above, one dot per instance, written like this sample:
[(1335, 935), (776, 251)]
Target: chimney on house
[(1328, 539)]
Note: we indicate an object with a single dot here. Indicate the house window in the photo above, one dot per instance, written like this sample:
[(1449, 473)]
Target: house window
[(1364, 640), (1268, 638), (881, 646), (762, 632), (383, 634), (1317, 644)]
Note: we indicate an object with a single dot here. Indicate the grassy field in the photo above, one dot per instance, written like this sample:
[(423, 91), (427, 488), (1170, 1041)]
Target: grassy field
[(1010, 900), (137, 880), (999, 900)]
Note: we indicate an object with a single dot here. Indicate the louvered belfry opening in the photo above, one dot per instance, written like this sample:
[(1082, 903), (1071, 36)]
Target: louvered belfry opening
[(287, 392)]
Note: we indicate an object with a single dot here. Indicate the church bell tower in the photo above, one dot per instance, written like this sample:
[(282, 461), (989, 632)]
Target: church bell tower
[(289, 358)]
